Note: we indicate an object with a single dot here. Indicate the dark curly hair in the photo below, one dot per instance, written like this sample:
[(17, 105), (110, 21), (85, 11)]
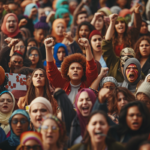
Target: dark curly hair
[(123, 127), (137, 44), (79, 58)]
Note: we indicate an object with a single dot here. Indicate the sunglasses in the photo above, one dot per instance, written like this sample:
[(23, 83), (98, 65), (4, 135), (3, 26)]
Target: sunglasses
[(22, 121)]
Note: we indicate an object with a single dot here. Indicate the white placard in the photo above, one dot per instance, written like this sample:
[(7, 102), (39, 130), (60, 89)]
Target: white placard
[(16, 82)]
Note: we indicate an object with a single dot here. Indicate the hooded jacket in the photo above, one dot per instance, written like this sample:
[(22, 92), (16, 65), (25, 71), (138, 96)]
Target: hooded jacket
[(131, 86)]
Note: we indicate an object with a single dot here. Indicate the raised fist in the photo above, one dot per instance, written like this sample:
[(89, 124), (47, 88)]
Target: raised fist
[(84, 42), (49, 42)]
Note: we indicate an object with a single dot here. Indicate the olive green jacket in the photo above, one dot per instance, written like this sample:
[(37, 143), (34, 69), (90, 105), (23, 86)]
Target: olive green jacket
[(113, 146), (112, 61)]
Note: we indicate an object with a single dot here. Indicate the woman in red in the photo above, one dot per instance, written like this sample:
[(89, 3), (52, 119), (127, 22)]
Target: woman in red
[(76, 71)]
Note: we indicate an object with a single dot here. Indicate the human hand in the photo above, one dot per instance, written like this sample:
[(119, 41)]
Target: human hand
[(33, 13), (49, 42), (23, 22), (84, 42), (11, 41), (113, 18), (103, 72), (97, 15), (137, 7), (68, 36)]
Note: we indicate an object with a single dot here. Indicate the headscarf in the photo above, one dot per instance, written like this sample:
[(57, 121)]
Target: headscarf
[(60, 12), (30, 135), (83, 120), (4, 117), (126, 83), (56, 47), (108, 79), (115, 9), (14, 140), (60, 4), (28, 9), (124, 57), (59, 39), (43, 101), (3, 27)]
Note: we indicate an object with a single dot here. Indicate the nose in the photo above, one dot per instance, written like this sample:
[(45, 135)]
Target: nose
[(49, 130), (39, 113), (84, 101), (19, 124), (135, 117), (122, 101)]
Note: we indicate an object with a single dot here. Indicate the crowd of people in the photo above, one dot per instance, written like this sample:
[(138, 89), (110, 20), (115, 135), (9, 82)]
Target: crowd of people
[(87, 68)]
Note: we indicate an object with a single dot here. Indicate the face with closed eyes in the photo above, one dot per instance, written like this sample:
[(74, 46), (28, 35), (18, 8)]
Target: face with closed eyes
[(38, 79), (132, 73)]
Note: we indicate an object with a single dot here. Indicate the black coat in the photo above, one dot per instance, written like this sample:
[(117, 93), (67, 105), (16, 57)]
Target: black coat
[(69, 116), (146, 67), (5, 146)]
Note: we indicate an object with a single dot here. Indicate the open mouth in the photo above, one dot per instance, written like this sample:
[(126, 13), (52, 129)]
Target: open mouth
[(131, 76), (39, 119), (135, 124), (5, 107), (50, 136), (75, 74), (98, 46), (11, 27), (120, 27), (84, 36)]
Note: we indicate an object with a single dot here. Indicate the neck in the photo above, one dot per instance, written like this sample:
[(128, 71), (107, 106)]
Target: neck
[(144, 58), (50, 147), (120, 36), (77, 82), (33, 66), (97, 55), (98, 146), (39, 91)]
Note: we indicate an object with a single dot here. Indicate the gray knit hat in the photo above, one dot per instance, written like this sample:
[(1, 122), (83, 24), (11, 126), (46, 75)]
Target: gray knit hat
[(108, 79), (144, 88)]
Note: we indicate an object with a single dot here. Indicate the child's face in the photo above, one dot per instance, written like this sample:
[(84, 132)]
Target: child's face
[(39, 35)]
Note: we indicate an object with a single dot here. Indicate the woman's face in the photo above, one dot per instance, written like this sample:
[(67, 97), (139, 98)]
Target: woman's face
[(37, 112), (97, 126), (61, 54), (66, 18), (99, 24), (6, 103), (134, 118), (11, 24), (84, 104), (96, 43), (34, 57), (75, 71), (121, 100), (144, 48), (50, 132), (84, 32), (31, 44), (20, 47), (59, 29), (38, 79), (144, 147), (33, 144), (144, 28), (19, 124), (120, 27)]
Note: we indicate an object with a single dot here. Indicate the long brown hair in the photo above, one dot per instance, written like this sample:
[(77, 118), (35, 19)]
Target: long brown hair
[(128, 95), (31, 91), (126, 36), (137, 45)]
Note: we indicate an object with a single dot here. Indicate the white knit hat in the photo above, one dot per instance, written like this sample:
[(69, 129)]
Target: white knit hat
[(144, 88)]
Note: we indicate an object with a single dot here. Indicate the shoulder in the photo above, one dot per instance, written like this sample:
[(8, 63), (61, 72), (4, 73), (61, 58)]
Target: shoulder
[(116, 146), (78, 147)]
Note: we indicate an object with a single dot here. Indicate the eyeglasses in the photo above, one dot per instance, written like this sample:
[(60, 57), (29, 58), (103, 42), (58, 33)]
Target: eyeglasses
[(13, 21), (21, 47), (22, 121), (35, 55), (53, 128), (9, 101), (35, 147)]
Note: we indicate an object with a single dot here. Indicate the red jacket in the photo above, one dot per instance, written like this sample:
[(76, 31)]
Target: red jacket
[(55, 78)]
